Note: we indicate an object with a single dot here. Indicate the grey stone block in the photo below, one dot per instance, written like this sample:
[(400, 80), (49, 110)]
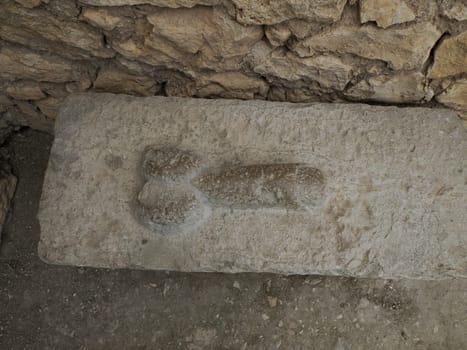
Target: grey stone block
[(231, 186)]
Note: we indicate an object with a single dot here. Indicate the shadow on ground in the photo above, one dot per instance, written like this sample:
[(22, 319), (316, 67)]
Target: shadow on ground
[(58, 307)]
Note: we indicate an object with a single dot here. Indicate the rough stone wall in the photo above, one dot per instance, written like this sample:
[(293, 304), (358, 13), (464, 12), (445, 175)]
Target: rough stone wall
[(407, 52)]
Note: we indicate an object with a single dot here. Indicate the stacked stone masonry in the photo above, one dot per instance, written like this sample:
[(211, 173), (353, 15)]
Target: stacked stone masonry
[(398, 52)]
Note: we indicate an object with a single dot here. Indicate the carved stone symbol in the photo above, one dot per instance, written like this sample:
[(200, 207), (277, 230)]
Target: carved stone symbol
[(178, 194)]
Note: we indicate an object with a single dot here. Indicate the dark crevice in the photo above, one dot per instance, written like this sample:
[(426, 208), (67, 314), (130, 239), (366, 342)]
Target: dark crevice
[(431, 57)]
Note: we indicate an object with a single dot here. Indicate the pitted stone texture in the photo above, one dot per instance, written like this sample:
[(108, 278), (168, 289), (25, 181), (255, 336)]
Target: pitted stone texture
[(262, 186), (388, 188)]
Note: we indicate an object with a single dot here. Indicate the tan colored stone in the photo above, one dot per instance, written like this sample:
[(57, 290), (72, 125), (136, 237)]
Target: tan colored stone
[(161, 3), (39, 29), (277, 35), (197, 38), (276, 11), (385, 12), (29, 3), (27, 114), (49, 106), (103, 18), (25, 90), (231, 85), (399, 88), (455, 96), (406, 48), (456, 9), (329, 71), (20, 63), (450, 57), (117, 81)]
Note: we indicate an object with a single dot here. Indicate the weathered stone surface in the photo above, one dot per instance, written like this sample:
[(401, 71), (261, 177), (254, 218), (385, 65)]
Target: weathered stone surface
[(26, 114), (329, 71), (39, 29), (197, 38), (400, 88), (65, 9), (405, 48), (455, 9), (114, 80), (385, 12), (25, 90), (49, 106), (29, 3), (104, 18), (276, 11), (161, 3), (450, 57), (19, 63), (7, 190), (455, 96), (204, 185), (231, 85)]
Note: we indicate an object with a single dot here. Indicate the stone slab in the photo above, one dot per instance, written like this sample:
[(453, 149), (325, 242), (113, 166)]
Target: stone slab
[(232, 186)]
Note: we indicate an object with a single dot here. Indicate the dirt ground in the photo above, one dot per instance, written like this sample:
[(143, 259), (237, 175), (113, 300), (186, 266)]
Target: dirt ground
[(57, 307)]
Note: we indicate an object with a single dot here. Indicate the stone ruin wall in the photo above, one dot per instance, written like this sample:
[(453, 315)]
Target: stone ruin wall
[(398, 52)]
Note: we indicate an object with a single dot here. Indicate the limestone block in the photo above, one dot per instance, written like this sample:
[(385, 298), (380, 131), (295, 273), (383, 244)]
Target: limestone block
[(40, 29), (402, 48), (228, 185), (49, 106), (231, 85), (20, 63), (192, 39), (104, 18), (112, 79), (161, 3), (454, 9), (277, 11), (455, 96), (329, 71), (450, 57), (398, 88), (25, 90), (385, 12)]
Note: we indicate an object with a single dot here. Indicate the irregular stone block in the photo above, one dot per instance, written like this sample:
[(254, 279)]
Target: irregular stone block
[(450, 57), (402, 48), (161, 3), (112, 79), (20, 63), (454, 9), (385, 12), (192, 39), (206, 185), (277, 11), (329, 71), (399, 88), (41, 30), (455, 96)]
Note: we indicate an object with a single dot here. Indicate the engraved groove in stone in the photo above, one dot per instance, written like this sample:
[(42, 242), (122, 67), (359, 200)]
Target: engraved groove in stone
[(288, 185)]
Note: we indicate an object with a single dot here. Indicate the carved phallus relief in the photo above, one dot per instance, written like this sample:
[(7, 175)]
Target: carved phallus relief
[(179, 193)]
